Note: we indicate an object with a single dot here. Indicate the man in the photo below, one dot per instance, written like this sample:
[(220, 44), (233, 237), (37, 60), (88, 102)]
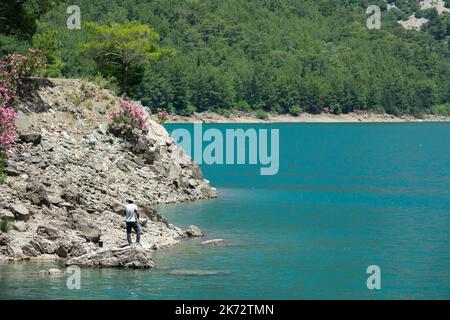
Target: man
[(132, 221)]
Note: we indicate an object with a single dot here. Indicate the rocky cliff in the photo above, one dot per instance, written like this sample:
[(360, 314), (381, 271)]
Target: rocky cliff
[(68, 179)]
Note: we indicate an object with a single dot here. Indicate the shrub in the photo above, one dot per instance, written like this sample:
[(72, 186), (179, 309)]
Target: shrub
[(261, 114), (4, 226), (224, 112), (295, 110), (7, 130), (188, 111), (129, 121), (243, 106), (2, 167), (441, 110)]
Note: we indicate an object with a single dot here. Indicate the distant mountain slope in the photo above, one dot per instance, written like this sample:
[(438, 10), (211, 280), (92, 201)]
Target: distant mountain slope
[(275, 55)]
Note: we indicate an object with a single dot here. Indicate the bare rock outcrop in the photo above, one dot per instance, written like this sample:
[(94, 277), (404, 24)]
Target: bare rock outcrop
[(68, 178), (133, 256)]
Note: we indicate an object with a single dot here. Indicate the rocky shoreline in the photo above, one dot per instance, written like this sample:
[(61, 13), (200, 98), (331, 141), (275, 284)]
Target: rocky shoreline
[(68, 179), (242, 117)]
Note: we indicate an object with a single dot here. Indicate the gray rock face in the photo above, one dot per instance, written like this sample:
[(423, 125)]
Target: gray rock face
[(48, 232), (20, 226), (30, 137), (128, 257), (20, 212), (37, 194), (194, 231), (69, 177), (6, 215)]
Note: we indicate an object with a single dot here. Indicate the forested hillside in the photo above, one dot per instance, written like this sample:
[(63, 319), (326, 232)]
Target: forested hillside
[(277, 55)]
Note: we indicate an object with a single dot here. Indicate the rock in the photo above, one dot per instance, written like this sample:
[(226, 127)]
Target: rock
[(30, 251), (152, 214), (47, 232), (55, 199), (133, 256), (6, 215), (66, 205), (46, 146), (47, 246), (213, 242), (20, 212), (55, 272), (102, 128), (72, 175), (37, 194), (68, 138), (72, 195), (30, 137), (89, 231), (194, 231), (63, 250), (12, 171), (118, 208), (4, 239), (20, 226)]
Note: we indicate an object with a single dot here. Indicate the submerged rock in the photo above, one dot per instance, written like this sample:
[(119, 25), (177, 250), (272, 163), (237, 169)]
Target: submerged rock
[(133, 256), (214, 242)]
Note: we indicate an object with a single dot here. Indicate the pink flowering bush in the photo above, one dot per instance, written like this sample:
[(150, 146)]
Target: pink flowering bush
[(12, 68), (7, 130), (129, 121)]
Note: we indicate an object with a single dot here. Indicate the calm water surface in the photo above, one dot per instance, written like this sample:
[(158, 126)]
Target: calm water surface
[(347, 196)]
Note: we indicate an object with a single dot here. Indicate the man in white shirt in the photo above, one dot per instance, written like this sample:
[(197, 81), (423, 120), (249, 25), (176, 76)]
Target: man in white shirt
[(132, 221)]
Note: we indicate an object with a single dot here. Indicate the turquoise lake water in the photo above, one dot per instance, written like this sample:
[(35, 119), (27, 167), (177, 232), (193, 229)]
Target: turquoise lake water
[(347, 196)]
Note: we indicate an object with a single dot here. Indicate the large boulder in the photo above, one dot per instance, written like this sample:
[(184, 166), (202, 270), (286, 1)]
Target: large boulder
[(89, 231), (48, 232), (37, 194), (128, 257), (20, 212), (194, 231)]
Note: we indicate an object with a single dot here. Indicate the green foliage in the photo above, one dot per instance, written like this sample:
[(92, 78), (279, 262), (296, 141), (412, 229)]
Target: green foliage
[(441, 110), (3, 174), (224, 112), (295, 110), (243, 106), (50, 45), (430, 13), (122, 50), (261, 114), (439, 27), (4, 226), (266, 55), (188, 111)]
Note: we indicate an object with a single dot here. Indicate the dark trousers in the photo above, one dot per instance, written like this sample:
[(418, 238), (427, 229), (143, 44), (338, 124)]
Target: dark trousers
[(137, 228)]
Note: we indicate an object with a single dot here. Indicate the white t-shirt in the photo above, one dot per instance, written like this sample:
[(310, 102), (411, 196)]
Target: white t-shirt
[(130, 212)]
